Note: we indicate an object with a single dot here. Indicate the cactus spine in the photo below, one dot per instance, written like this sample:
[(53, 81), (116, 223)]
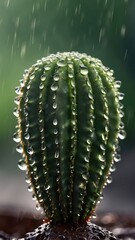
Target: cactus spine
[(69, 123)]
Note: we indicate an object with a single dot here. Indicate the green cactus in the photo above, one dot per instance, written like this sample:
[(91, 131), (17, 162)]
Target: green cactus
[(69, 123)]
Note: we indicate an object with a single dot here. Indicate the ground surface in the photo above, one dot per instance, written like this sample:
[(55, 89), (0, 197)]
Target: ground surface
[(17, 225)]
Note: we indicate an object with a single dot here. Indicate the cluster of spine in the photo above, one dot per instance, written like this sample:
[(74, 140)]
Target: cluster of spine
[(69, 125)]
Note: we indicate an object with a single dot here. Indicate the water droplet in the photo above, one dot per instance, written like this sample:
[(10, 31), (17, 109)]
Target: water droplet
[(84, 71), (41, 129), (118, 84), (121, 105), (22, 83), (117, 157), (54, 105), (32, 76), (88, 141), (47, 68), (36, 67), (101, 196), (72, 83), (34, 168), (55, 122), (54, 97), (16, 112), (54, 87), (55, 131), (86, 159), (88, 148), (109, 180), (61, 63), (17, 100), (101, 158), (70, 75), (27, 179), (105, 116), (43, 78), (121, 125), (43, 147), (94, 216), (36, 178), (48, 187), (41, 201), (32, 161), (85, 177), (37, 207), (122, 134), (93, 135), (34, 197), (121, 114), (16, 137), (22, 165), (70, 65), (18, 90), (90, 96), (121, 96), (19, 148), (26, 99), (102, 146), (41, 86), (81, 185), (27, 136), (28, 86), (88, 83), (30, 150), (27, 123), (113, 168), (56, 78), (56, 141), (30, 188), (56, 155)]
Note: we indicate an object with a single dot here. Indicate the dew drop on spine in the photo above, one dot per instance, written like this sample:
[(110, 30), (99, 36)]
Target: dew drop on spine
[(22, 165)]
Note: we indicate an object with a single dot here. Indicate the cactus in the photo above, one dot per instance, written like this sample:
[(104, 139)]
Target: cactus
[(69, 125)]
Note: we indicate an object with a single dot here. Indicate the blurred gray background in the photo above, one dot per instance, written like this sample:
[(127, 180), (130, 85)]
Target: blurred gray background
[(32, 29)]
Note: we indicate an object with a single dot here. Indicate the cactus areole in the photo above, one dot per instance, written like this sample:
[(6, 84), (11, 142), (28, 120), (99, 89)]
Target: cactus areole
[(69, 125)]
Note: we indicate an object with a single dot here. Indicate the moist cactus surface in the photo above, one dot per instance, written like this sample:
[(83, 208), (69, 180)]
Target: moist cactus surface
[(69, 125)]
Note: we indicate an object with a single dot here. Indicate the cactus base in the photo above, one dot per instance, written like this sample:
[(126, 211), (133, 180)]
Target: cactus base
[(82, 231)]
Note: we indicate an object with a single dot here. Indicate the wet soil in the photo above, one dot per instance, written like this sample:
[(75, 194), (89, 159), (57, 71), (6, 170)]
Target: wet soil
[(30, 226)]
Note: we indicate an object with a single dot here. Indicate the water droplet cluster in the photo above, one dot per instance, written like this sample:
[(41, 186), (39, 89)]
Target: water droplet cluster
[(69, 125)]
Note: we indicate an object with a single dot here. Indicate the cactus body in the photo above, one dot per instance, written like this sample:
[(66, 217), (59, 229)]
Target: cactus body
[(69, 122)]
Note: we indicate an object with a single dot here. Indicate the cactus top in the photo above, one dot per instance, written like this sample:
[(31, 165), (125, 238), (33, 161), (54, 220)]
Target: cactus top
[(69, 124)]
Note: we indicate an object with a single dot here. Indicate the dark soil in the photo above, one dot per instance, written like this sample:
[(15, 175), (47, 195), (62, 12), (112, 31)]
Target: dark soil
[(20, 226)]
